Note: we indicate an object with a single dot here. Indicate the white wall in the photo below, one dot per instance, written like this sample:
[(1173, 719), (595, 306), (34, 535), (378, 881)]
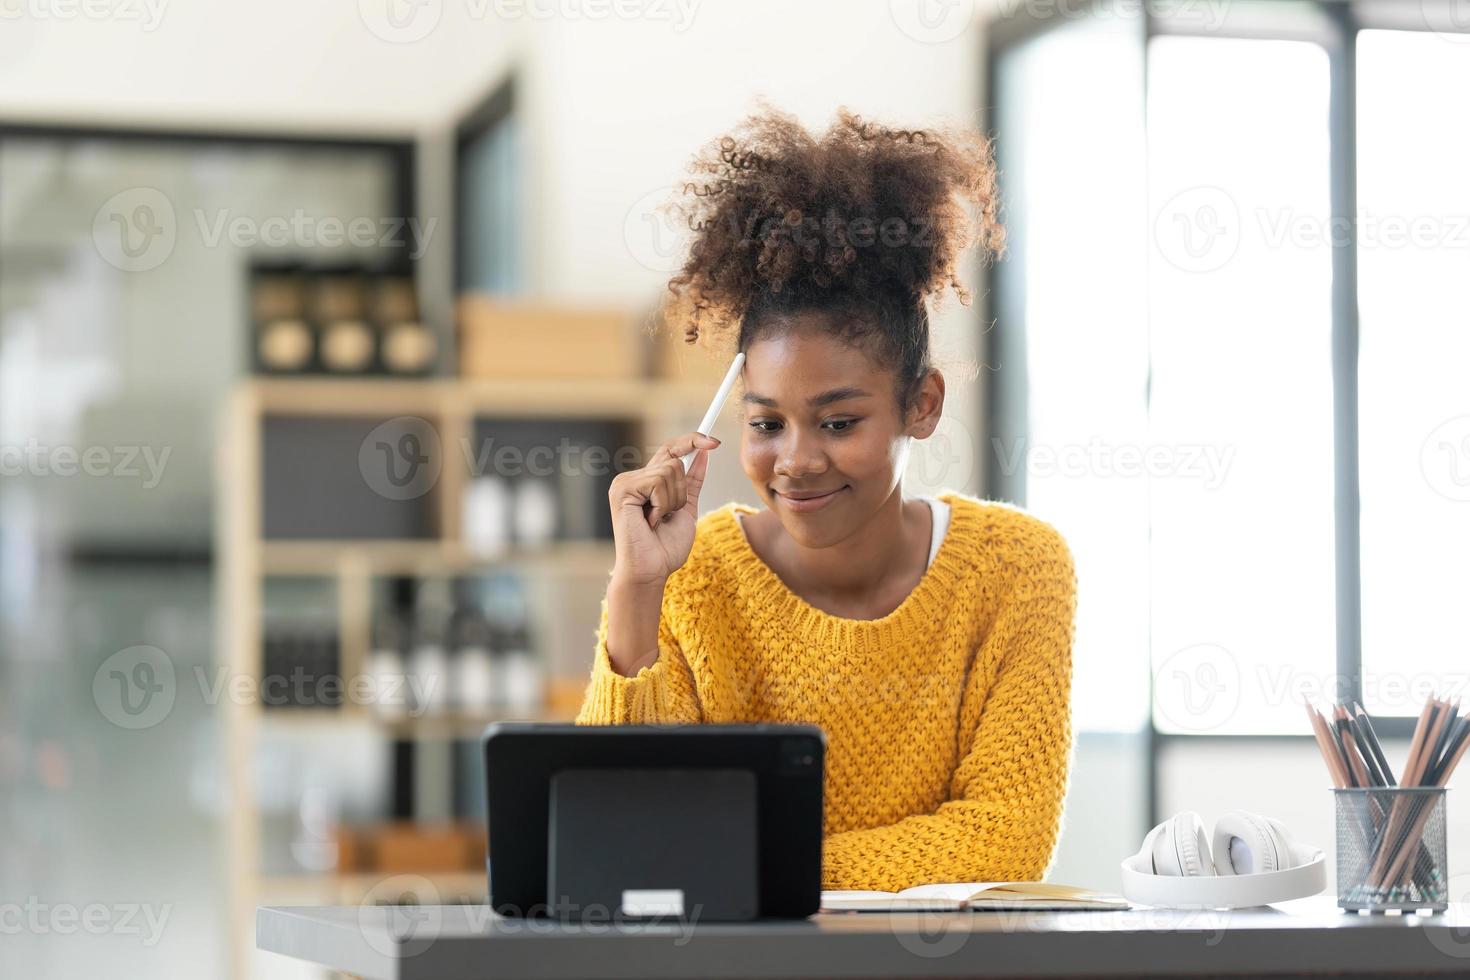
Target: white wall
[(268, 64), (1105, 816)]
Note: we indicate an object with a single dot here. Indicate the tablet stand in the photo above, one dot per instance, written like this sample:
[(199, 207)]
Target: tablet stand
[(652, 843)]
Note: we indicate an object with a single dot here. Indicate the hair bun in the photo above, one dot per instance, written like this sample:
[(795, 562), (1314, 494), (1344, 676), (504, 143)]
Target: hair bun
[(861, 211)]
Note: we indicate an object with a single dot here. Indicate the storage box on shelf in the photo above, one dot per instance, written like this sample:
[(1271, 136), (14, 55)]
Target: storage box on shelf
[(507, 340), (501, 340)]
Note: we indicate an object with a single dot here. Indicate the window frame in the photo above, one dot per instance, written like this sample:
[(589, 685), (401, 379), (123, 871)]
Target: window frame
[(1334, 25), (497, 108)]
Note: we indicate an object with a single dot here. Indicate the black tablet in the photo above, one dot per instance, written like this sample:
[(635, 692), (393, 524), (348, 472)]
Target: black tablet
[(615, 810)]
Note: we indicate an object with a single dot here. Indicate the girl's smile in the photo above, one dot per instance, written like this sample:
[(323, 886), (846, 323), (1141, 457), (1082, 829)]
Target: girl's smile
[(806, 501)]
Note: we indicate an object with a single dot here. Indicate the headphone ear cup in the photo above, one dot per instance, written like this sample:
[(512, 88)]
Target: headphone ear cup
[(1181, 848), (1248, 843), (1146, 850)]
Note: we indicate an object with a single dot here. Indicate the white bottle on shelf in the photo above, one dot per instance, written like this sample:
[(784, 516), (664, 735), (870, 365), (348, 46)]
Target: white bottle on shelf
[(535, 511), (383, 669), (428, 664), (473, 667), (520, 679), (486, 515)]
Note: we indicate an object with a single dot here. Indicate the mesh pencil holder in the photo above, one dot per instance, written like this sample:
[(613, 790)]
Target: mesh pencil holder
[(1391, 848)]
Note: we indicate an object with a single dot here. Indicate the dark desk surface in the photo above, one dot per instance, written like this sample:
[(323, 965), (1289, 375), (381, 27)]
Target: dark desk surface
[(462, 942)]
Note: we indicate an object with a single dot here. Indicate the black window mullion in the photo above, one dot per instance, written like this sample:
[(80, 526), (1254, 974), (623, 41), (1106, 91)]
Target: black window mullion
[(1342, 58)]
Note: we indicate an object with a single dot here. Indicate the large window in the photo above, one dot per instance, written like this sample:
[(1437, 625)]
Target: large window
[(1414, 364), (1084, 354), (1240, 344), (1179, 358)]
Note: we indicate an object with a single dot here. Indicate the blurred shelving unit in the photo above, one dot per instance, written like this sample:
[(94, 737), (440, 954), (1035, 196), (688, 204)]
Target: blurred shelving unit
[(644, 411)]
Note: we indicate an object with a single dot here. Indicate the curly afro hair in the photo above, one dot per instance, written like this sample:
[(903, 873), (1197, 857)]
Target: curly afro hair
[(862, 224)]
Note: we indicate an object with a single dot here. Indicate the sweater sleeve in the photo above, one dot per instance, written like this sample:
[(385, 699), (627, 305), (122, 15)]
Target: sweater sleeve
[(660, 693), (1004, 812)]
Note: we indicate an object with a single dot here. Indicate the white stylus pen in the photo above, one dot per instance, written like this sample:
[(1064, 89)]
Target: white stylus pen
[(717, 405)]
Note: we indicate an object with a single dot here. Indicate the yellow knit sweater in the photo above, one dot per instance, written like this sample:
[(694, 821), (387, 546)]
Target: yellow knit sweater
[(948, 721)]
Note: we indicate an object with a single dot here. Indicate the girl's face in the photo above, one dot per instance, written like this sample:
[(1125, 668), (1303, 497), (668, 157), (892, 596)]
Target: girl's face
[(823, 439)]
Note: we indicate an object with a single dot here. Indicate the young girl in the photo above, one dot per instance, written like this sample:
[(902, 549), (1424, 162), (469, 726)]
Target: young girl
[(930, 638)]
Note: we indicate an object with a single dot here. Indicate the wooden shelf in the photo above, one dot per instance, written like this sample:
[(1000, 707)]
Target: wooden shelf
[(377, 397), (464, 725), (451, 724), (421, 557), (647, 410)]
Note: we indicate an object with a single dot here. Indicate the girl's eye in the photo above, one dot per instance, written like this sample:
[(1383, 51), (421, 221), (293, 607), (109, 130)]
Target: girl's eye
[(832, 425)]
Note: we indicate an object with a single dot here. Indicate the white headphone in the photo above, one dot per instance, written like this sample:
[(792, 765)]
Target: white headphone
[(1255, 862)]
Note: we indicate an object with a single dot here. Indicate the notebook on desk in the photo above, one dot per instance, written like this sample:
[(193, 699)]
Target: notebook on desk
[(973, 895)]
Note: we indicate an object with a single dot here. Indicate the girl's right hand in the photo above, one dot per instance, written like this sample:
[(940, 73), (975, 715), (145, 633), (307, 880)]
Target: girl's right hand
[(654, 510)]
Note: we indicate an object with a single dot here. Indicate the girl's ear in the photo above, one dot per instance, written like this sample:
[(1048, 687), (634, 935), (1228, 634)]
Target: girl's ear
[(928, 406)]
